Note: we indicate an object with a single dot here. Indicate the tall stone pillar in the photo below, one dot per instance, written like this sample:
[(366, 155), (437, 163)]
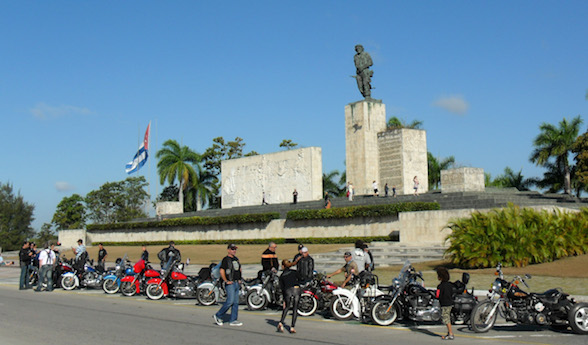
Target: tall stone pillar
[(363, 121)]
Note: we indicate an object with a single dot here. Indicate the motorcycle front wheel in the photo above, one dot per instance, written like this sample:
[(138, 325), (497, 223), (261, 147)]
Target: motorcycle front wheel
[(307, 305), (128, 289), (256, 300), (481, 320), (578, 318), (206, 296), (110, 286), (154, 291), (384, 314), (341, 308), (68, 282)]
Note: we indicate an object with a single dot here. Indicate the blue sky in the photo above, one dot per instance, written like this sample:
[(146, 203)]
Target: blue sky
[(81, 80)]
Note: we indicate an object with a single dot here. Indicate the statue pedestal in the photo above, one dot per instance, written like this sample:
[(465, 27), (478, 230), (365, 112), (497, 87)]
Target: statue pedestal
[(363, 121)]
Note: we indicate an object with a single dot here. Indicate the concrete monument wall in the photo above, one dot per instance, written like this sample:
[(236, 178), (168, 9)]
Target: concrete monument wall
[(403, 155), (363, 121), (244, 180), (462, 180), (168, 207)]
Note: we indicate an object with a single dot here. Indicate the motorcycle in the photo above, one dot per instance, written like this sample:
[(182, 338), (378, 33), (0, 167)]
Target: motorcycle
[(316, 295), (136, 282), (62, 266), (213, 291), (357, 301), (89, 278), (408, 299), (552, 308), (172, 283), (267, 292), (112, 281)]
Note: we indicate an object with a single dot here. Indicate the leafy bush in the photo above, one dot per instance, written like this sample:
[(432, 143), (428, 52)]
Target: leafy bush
[(517, 237), (310, 240), (362, 211), (188, 221)]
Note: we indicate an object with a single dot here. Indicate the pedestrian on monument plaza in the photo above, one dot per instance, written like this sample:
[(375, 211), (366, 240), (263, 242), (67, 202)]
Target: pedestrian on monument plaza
[(144, 254), (386, 189), (350, 269), (350, 191), (263, 202), (305, 266), (269, 258), (444, 294), (360, 257), (46, 262), (295, 196), (102, 254), (327, 201), (375, 187), (230, 272), (290, 285), (416, 186), (24, 256), (394, 191)]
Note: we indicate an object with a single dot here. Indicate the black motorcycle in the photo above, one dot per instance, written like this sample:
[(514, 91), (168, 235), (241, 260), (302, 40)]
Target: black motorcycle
[(267, 292), (408, 299), (552, 308)]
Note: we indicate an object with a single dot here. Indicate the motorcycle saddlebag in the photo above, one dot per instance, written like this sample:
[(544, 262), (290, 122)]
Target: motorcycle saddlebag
[(204, 273), (464, 302)]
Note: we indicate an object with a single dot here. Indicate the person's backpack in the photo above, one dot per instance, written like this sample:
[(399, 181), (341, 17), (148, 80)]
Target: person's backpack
[(215, 271)]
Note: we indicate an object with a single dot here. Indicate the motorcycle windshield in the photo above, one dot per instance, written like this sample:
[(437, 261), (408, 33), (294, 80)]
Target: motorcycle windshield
[(404, 275)]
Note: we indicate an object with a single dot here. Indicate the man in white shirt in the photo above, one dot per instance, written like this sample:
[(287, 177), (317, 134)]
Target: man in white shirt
[(46, 261), (361, 258)]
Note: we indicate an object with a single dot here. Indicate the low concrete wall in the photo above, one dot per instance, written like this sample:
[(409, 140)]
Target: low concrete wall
[(69, 238)]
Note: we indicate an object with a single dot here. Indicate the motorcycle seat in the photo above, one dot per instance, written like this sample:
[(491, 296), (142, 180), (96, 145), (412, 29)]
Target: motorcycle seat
[(550, 296), (386, 287)]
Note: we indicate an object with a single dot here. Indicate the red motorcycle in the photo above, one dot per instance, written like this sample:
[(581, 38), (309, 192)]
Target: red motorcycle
[(137, 283), (316, 295), (173, 283)]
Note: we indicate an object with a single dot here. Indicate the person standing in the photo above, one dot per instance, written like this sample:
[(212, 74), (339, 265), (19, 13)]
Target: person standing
[(144, 254), (371, 265), (305, 266), (46, 263), (298, 256), (102, 254), (415, 180), (25, 261), (263, 201), (290, 285), (361, 258), (295, 196), (230, 272), (375, 187), (386, 189), (327, 200), (444, 294), (269, 258), (350, 191), (393, 191)]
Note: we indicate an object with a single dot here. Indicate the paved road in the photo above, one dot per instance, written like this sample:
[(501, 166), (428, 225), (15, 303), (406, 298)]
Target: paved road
[(92, 317)]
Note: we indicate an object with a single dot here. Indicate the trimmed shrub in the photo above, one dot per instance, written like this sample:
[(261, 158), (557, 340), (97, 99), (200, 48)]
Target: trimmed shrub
[(517, 236), (362, 211), (188, 221)]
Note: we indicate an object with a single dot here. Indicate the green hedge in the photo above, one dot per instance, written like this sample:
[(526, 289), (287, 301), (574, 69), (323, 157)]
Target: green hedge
[(517, 237), (313, 240), (362, 211), (188, 221)]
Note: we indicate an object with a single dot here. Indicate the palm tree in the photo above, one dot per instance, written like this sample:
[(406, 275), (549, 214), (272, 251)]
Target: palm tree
[(329, 184), (175, 162), (199, 191), (510, 179), (435, 166), (557, 142), (396, 123)]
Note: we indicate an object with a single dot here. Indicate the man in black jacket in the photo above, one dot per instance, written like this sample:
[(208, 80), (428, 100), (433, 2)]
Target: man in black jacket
[(305, 266), (25, 256), (164, 254)]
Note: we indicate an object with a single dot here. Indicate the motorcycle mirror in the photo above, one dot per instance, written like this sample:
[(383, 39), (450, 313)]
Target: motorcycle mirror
[(465, 278), (527, 276)]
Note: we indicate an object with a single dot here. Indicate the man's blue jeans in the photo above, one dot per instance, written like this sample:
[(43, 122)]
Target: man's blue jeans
[(46, 272), (24, 276), (232, 301)]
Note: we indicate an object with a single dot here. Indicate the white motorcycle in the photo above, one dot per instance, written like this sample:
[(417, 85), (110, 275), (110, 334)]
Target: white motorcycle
[(357, 301)]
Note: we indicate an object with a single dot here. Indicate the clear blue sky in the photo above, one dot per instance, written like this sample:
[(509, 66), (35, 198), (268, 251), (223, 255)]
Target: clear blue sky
[(82, 79)]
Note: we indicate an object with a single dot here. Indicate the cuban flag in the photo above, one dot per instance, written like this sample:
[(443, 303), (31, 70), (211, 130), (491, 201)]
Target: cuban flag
[(141, 156)]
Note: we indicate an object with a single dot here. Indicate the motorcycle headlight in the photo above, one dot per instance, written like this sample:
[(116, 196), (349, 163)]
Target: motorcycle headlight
[(496, 286)]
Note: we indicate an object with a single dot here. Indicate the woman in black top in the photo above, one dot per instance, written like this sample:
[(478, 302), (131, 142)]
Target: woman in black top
[(290, 284)]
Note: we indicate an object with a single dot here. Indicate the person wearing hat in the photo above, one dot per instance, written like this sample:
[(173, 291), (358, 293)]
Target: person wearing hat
[(350, 268), (298, 255), (230, 272), (305, 266)]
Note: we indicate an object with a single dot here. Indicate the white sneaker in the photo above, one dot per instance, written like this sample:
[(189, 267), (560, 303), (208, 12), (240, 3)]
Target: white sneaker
[(236, 323), (217, 320)]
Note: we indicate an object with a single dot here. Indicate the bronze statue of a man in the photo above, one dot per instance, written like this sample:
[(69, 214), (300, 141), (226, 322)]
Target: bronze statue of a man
[(363, 62)]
